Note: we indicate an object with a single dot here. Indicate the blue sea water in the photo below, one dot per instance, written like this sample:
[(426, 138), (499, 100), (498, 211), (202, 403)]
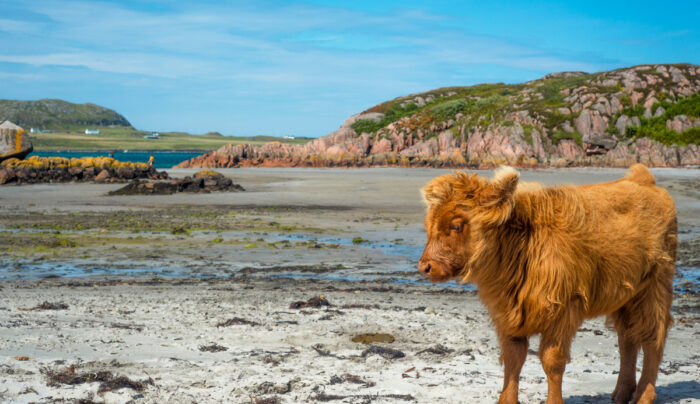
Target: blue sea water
[(161, 159), (686, 280)]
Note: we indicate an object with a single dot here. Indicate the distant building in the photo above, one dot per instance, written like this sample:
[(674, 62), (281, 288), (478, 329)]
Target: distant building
[(152, 135), (289, 137), (92, 131)]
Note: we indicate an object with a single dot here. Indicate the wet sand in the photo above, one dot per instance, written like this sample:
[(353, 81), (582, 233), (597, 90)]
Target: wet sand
[(147, 279)]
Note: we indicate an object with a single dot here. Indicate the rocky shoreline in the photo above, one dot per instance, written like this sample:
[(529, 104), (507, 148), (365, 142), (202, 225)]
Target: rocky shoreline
[(36, 170), (645, 151), (643, 114)]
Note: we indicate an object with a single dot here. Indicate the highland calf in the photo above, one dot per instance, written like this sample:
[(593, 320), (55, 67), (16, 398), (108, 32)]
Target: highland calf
[(546, 259)]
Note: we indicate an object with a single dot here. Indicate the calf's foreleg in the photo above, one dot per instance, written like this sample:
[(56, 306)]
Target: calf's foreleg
[(513, 353), (554, 354)]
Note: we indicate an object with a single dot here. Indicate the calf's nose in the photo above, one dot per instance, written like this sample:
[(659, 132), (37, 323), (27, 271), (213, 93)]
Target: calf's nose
[(424, 267)]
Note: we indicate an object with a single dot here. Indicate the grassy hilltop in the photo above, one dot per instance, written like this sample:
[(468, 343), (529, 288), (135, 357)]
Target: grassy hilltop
[(59, 115), (550, 101)]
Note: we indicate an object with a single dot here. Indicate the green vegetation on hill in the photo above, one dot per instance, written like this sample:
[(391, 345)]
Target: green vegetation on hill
[(58, 114), (475, 100), (393, 113), (560, 135), (547, 101), (448, 109), (655, 127), (479, 103)]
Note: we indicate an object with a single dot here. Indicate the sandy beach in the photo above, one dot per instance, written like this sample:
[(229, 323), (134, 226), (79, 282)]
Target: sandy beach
[(215, 297)]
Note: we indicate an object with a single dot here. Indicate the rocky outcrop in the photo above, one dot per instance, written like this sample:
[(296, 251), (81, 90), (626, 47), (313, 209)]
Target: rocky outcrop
[(680, 123), (14, 142), (564, 119), (205, 181), (624, 122), (58, 169)]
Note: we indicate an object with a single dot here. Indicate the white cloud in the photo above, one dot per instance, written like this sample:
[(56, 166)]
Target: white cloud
[(18, 26), (219, 39), (296, 58), (21, 76), (125, 63)]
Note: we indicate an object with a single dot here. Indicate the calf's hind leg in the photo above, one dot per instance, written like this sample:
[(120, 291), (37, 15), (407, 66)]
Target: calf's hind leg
[(653, 347), (644, 321), (629, 350)]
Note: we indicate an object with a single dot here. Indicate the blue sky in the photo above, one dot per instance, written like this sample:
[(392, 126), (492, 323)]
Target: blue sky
[(300, 68)]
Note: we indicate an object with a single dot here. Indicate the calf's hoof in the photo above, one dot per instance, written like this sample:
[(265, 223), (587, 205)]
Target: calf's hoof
[(508, 399), (645, 397), (623, 394)]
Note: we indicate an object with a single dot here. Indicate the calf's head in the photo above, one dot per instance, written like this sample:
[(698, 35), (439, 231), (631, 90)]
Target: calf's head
[(461, 205)]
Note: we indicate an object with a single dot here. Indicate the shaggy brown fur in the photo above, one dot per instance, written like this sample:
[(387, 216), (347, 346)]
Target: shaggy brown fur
[(545, 259)]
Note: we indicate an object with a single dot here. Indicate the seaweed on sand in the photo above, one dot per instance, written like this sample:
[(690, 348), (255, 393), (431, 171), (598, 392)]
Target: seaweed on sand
[(367, 398), (266, 400), (213, 348), (46, 306), (316, 302), (236, 321), (350, 378), (436, 350), (386, 353), (107, 380)]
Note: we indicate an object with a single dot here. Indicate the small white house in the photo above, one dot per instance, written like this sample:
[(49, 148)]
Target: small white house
[(92, 131), (152, 135)]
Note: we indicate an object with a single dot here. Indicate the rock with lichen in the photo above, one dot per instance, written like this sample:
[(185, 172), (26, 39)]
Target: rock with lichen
[(14, 141), (60, 169)]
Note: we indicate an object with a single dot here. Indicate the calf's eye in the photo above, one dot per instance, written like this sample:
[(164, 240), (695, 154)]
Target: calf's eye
[(456, 226)]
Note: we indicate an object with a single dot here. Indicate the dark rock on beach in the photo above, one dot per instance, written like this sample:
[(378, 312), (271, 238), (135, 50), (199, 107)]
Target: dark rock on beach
[(205, 181)]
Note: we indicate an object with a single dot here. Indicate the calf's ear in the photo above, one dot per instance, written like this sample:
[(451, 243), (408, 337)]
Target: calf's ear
[(438, 189), (505, 180), (498, 197)]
